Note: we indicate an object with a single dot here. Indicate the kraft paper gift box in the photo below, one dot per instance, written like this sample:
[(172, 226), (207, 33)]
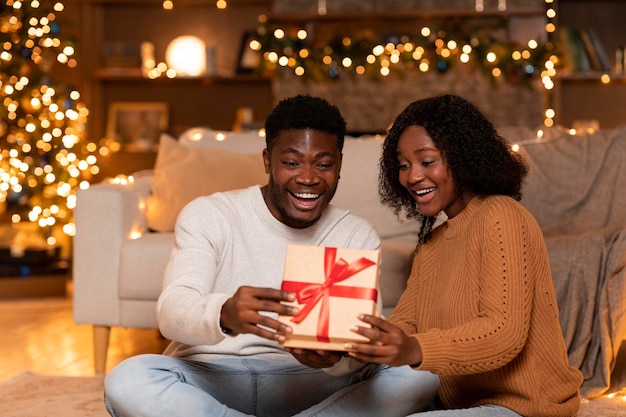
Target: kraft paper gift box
[(333, 286)]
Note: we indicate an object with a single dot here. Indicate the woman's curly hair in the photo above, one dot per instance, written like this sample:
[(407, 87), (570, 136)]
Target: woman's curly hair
[(479, 159)]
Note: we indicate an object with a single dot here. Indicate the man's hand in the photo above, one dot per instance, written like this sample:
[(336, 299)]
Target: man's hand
[(315, 358), (389, 344), (241, 312)]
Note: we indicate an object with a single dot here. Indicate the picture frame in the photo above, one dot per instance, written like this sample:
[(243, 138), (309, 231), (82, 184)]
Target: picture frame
[(137, 126), (248, 60)]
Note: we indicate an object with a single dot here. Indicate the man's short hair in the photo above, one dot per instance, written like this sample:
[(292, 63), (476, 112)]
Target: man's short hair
[(304, 112)]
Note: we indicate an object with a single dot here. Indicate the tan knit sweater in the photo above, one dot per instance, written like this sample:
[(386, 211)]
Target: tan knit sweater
[(481, 303)]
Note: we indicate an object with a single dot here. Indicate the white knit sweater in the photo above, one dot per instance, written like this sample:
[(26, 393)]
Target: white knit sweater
[(227, 240)]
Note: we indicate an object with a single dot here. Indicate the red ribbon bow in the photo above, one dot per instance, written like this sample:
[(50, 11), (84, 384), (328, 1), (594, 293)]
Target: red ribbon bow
[(334, 271)]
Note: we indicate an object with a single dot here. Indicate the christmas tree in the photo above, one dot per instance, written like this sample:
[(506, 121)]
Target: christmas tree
[(44, 157)]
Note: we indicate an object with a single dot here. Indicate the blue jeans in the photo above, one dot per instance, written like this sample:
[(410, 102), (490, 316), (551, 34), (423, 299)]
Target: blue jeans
[(487, 410), (157, 385)]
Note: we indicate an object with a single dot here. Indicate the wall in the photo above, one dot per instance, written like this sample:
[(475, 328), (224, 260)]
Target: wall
[(370, 106)]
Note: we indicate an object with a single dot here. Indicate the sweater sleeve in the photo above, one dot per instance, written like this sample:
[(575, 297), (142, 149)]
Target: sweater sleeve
[(188, 309)]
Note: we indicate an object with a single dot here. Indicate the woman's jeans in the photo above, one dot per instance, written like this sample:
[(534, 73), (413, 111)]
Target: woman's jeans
[(163, 386), (487, 410)]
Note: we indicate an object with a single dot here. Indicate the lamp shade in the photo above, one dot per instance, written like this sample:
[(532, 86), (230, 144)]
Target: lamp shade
[(187, 56)]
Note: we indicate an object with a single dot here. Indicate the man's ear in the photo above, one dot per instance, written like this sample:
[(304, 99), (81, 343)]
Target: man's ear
[(266, 160)]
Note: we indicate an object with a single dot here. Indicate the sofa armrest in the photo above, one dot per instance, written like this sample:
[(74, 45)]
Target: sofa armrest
[(106, 215)]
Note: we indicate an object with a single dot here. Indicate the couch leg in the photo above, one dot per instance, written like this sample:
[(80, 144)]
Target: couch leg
[(100, 346)]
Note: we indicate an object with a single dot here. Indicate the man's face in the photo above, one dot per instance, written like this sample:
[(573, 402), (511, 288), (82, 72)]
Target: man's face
[(303, 170)]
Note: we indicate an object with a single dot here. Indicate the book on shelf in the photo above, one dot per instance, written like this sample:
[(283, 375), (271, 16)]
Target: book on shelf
[(121, 54), (600, 50), (580, 58), (594, 59), (581, 50)]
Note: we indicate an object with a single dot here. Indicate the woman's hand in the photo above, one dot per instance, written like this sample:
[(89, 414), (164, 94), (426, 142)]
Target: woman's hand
[(389, 344)]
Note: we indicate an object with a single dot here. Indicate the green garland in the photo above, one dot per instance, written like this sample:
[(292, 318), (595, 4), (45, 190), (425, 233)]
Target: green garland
[(325, 62)]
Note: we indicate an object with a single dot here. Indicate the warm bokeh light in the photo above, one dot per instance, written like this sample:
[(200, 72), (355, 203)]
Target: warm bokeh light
[(44, 158), (187, 56)]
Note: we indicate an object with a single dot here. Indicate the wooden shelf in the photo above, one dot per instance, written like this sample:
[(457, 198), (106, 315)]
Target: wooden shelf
[(177, 3), (590, 76), (380, 15), (135, 74)]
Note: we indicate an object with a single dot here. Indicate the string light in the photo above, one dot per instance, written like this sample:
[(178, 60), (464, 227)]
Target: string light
[(550, 65), (432, 49)]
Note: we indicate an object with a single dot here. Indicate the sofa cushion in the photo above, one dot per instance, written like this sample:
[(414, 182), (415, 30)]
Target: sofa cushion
[(191, 167), (358, 188), (250, 141), (182, 173)]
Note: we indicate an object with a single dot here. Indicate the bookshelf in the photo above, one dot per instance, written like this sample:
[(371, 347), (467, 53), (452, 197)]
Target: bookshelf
[(587, 93), (193, 101), (210, 101)]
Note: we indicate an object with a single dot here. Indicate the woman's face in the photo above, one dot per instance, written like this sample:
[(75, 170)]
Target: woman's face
[(424, 172)]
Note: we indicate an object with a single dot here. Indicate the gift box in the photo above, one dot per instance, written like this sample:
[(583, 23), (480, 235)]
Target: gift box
[(333, 286)]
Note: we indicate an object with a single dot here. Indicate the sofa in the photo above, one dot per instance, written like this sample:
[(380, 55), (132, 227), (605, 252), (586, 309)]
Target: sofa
[(124, 229)]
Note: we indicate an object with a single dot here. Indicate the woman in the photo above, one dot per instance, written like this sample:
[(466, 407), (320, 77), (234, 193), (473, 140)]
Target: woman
[(479, 309)]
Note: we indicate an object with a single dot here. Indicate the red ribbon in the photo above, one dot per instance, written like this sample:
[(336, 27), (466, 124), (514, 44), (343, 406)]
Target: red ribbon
[(335, 271)]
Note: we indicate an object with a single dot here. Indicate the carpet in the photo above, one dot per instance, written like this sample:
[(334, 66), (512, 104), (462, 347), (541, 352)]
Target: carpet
[(31, 395)]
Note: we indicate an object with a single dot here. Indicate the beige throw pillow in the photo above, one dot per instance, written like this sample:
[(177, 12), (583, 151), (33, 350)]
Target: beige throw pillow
[(182, 173)]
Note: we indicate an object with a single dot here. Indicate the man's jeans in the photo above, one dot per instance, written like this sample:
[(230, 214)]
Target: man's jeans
[(162, 386)]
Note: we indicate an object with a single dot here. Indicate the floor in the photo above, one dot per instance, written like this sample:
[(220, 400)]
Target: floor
[(39, 335)]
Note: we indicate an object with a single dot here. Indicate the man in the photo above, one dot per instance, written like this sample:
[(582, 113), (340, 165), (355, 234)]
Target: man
[(221, 296)]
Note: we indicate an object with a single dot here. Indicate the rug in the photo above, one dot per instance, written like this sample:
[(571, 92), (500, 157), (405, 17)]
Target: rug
[(31, 395)]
